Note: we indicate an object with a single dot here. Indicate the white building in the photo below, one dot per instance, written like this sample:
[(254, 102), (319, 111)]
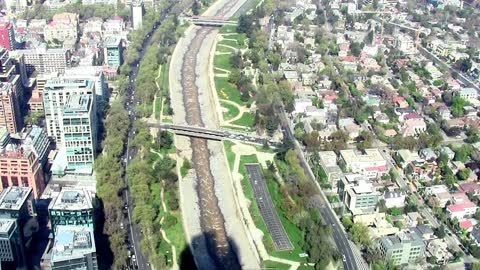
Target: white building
[(369, 163), (394, 199), (45, 60), (359, 194), (137, 14)]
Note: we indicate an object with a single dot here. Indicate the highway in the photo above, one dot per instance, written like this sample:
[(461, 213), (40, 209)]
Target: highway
[(329, 216)]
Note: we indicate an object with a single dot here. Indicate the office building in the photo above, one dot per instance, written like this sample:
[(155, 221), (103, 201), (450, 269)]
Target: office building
[(21, 167), (56, 94), (359, 194), (17, 203), (401, 249), (95, 74), (45, 60), (10, 116), (369, 162), (7, 36), (12, 250), (113, 51), (4, 138), (36, 140), (74, 248), (71, 207), (79, 134), (137, 14)]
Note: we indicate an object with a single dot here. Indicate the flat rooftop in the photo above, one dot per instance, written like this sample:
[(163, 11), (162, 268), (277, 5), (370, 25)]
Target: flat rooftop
[(6, 225), (112, 41), (5, 87), (12, 198), (368, 155), (68, 83), (72, 242), (77, 104), (71, 199)]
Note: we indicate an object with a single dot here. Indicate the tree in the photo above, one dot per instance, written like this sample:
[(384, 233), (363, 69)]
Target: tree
[(395, 211), (195, 7), (457, 106), (360, 235), (463, 152), (440, 231), (356, 48), (33, 118)]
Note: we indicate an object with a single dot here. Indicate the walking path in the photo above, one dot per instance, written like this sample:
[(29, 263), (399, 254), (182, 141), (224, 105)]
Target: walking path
[(165, 211)]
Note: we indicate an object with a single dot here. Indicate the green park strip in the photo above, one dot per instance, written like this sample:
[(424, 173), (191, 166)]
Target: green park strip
[(247, 120), (223, 61), (230, 112), (227, 90), (158, 108), (275, 265)]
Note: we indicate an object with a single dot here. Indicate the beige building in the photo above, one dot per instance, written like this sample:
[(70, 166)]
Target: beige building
[(10, 116), (62, 28)]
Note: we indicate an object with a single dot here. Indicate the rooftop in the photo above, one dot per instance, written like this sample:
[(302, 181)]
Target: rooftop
[(72, 242), (369, 155), (60, 83), (13, 198), (461, 206), (78, 104), (112, 41), (71, 199), (6, 224), (398, 240)]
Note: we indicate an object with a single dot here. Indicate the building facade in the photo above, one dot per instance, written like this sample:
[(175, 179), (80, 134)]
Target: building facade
[(79, 134), (7, 36), (36, 140), (12, 251), (137, 14), (55, 97), (10, 116), (71, 207), (369, 162), (45, 60), (401, 249), (113, 51), (358, 194), (21, 167)]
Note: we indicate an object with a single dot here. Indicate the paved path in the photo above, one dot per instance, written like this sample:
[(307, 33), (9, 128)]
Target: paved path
[(227, 46)]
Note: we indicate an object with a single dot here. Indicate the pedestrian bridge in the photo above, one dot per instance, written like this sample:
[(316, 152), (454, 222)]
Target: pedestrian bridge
[(210, 21), (211, 134)]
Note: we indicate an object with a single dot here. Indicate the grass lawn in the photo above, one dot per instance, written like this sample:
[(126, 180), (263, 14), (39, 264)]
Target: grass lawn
[(223, 61), (247, 120), (224, 49), (166, 108), (163, 79), (227, 90), (231, 43), (158, 105), (254, 211), (175, 233), (295, 234), (228, 29), (275, 265), (231, 111), (230, 155)]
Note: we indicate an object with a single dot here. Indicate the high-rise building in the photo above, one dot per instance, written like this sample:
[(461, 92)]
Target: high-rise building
[(79, 134), (12, 251), (96, 75), (37, 141), (113, 51), (45, 60), (10, 116), (17, 203), (137, 14), (74, 248), (20, 167), (55, 97), (7, 36), (71, 207)]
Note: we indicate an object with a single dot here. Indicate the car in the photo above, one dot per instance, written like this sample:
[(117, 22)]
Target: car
[(344, 259)]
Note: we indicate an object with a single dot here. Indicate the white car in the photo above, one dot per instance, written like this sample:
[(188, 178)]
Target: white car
[(344, 258)]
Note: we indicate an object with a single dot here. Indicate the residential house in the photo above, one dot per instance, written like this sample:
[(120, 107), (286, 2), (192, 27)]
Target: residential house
[(413, 127), (461, 210)]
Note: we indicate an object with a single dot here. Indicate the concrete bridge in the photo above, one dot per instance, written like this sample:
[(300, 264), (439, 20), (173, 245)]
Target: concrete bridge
[(210, 21), (216, 135)]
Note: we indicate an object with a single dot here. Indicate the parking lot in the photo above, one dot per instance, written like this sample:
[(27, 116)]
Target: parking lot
[(267, 209)]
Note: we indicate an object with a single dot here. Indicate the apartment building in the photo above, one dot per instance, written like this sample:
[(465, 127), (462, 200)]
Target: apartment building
[(369, 162), (37, 141), (113, 51), (20, 167), (45, 60), (74, 248), (17, 203), (404, 248), (79, 134), (71, 207), (56, 94), (10, 116), (63, 27)]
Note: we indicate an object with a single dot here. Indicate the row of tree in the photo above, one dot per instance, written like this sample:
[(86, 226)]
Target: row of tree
[(108, 166)]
